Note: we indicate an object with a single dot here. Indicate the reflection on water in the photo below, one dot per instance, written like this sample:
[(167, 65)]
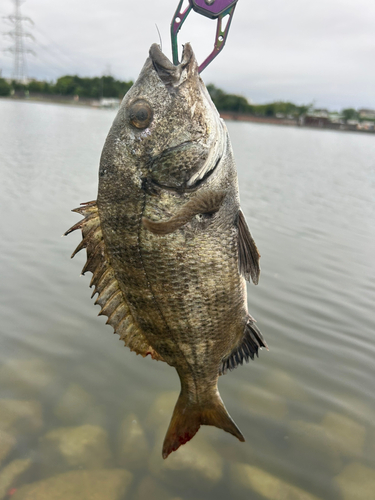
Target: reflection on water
[(83, 417)]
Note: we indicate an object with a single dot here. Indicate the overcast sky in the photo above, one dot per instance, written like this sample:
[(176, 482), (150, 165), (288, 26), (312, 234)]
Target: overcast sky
[(320, 51)]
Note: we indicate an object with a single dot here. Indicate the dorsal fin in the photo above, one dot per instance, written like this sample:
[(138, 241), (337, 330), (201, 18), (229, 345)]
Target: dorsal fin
[(248, 254), (251, 342), (110, 297)]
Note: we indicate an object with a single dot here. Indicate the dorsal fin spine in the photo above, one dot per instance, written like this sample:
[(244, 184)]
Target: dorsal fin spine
[(103, 281), (94, 258), (111, 304), (110, 298)]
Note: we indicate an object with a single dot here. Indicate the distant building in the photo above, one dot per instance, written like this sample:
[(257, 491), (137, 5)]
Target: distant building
[(316, 121), (109, 102), (368, 114), (319, 113), (365, 126), (335, 117)]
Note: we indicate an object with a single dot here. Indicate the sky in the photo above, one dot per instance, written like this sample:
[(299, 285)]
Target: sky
[(320, 51)]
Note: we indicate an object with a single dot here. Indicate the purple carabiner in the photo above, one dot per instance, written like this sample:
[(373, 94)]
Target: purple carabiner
[(214, 9)]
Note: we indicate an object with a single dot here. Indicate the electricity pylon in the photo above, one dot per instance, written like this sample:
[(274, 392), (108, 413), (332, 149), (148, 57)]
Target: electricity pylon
[(18, 34)]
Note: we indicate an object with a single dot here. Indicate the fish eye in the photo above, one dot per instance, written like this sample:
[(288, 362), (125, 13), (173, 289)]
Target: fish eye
[(140, 114)]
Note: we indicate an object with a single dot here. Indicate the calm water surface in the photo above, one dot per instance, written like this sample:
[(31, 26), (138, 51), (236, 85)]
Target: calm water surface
[(306, 407)]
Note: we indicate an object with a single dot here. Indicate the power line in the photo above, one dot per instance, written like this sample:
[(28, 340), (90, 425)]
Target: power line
[(18, 49), (59, 52)]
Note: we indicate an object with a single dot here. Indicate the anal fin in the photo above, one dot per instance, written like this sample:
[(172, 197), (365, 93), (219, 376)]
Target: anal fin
[(251, 342)]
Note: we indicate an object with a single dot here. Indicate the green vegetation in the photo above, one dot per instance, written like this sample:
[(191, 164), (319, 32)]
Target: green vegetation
[(350, 114), (72, 85), (107, 86), (5, 88), (239, 104)]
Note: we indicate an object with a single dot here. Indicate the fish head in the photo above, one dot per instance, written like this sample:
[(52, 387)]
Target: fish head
[(167, 129)]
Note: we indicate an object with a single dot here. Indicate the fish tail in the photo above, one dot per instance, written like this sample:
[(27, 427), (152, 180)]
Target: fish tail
[(188, 417)]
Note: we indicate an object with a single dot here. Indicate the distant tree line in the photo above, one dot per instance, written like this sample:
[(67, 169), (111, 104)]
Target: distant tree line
[(107, 86), (237, 103), (350, 114), (71, 85)]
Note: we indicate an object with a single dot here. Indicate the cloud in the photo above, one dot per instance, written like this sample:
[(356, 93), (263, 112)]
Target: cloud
[(292, 49)]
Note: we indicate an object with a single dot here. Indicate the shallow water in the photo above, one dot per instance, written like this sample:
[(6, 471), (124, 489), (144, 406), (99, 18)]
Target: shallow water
[(306, 407)]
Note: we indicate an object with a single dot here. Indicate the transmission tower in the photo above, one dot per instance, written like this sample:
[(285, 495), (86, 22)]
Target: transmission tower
[(18, 34)]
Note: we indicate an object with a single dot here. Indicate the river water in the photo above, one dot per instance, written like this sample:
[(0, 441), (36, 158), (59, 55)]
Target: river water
[(73, 398)]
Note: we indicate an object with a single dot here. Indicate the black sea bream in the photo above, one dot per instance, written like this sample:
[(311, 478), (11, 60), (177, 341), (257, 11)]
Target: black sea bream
[(167, 242)]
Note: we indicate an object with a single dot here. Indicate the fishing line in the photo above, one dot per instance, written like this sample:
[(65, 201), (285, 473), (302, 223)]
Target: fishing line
[(161, 42)]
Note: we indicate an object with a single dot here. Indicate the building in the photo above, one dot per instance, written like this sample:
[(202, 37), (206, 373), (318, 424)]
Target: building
[(367, 114)]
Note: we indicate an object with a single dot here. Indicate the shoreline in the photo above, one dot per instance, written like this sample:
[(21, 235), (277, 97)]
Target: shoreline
[(226, 115), (301, 122)]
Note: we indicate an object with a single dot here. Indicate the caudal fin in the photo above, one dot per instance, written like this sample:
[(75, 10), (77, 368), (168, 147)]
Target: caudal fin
[(188, 417)]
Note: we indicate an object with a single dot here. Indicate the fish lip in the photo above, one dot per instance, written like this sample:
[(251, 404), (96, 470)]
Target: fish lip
[(160, 59), (170, 74)]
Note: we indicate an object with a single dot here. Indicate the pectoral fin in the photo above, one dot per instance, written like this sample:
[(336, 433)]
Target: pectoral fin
[(248, 254), (207, 202)]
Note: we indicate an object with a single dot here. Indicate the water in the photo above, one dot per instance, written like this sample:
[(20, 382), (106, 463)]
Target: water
[(306, 407)]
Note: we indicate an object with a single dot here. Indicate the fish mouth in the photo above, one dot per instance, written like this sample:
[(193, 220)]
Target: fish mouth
[(195, 160), (170, 74)]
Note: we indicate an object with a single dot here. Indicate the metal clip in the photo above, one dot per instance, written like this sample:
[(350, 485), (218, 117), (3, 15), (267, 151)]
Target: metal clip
[(214, 9)]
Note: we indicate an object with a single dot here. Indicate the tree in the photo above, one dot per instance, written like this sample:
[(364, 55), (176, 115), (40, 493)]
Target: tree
[(5, 88), (350, 114), (66, 85), (228, 102)]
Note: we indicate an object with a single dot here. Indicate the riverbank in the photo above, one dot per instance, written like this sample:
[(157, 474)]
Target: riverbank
[(304, 121)]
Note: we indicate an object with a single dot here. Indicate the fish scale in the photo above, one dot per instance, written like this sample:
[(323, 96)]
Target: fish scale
[(167, 243)]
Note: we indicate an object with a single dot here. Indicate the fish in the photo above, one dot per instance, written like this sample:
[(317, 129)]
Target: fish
[(167, 243)]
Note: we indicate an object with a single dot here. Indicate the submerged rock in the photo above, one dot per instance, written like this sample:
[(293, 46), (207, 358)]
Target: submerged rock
[(348, 435), (79, 485), (267, 485), (26, 377), (150, 489), (20, 417), (74, 405), (356, 408), (196, 463), (67, 447), (281, 383), (161, 410), (133, 449), (7, 443), (356, 482), (263, 403), (11, 474), (312, 447)]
